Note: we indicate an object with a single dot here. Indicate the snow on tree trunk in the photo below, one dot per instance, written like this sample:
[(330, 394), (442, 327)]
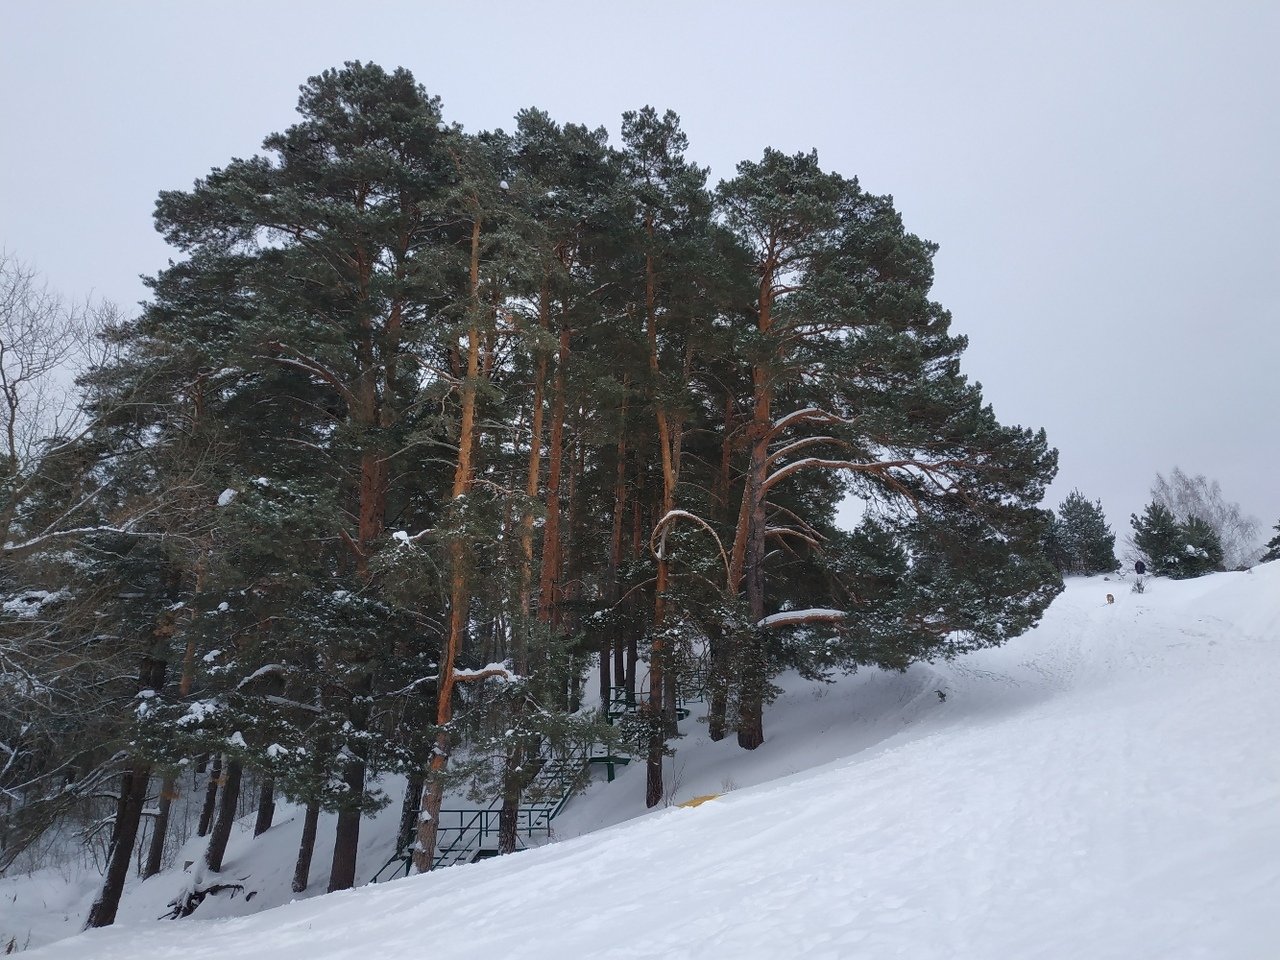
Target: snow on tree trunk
[(210, 797), (342, 869)]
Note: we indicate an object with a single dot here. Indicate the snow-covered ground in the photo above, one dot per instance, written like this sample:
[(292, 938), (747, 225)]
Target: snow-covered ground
[(1107, 786)]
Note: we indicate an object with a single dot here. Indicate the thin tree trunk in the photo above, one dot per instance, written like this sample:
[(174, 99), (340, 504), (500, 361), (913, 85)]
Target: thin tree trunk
[(169, 787), (718, 683), (614, 586), (534, 476), (637, 541), (619, 642), (549, 581), (226, 818), (633, 655), (155, 852), (302, 869), (670, 702), (210, 797)]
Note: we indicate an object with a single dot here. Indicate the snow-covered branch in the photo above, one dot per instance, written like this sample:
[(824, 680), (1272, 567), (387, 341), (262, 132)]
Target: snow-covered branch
[(805, 415), (263, 671), (672, 516), (809, 463), (795, 416), (300, 361), (884, 468), (297, 705), (800, 444), (484, 673), (42, 538), (792, 532), (793, 618)]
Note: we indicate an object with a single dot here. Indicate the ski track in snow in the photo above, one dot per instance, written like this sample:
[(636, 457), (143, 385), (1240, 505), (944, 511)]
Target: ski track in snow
[(1105, 787)]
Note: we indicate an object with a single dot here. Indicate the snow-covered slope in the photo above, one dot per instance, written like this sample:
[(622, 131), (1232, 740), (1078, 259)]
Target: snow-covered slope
[(1106, 786)]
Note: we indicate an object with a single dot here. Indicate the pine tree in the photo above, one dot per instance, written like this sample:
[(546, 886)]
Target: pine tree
[(1201, 548), (1083, 543), (308, 274), (842, 339), (1157, 537), (1186, 497), (671, 217), (1273, 547), (1178, 550)]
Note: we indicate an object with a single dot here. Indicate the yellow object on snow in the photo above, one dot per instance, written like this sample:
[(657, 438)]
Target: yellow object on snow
[(698, 801)]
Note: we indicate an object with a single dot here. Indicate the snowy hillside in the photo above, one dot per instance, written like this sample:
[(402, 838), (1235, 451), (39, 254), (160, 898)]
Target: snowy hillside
[(1106, 786)]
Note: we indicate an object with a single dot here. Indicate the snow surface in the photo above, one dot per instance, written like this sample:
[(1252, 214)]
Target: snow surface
[(1105, 786)]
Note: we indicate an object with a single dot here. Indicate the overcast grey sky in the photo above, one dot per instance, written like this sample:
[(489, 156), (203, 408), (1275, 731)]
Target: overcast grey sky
[(1103, 178)]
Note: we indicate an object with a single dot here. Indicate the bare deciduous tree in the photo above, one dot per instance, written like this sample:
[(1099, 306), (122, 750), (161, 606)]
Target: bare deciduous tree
[(1198, 496), (45, 342)]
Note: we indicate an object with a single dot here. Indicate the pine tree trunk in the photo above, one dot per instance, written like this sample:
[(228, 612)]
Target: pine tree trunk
[(605, 652), (747, 559), (549, 581), (169, 787), (571, 566), (210, 797), (133, 794), (513, 781), (346, 841), (307, 847), (753, 663), (718, 684), (266, 807), (633, 654), (670, 704), (662, 717), (155, 852), (608, 643), (534, 476), (126, 787), (409, 811), (637, 545), (619, 652), (459, 588), (226, 817), (424, 855)]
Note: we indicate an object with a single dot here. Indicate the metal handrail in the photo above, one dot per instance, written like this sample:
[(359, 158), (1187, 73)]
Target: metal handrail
[(556, 777)]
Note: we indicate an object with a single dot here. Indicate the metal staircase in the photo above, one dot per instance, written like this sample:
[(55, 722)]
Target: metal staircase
[(466, 835)]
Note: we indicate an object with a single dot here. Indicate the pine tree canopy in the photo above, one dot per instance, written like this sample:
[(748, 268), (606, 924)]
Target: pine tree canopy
[(426, 426), (1178, 550)]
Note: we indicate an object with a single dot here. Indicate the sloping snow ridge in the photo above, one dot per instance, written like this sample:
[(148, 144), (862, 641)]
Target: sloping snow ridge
[(1106, 786)]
